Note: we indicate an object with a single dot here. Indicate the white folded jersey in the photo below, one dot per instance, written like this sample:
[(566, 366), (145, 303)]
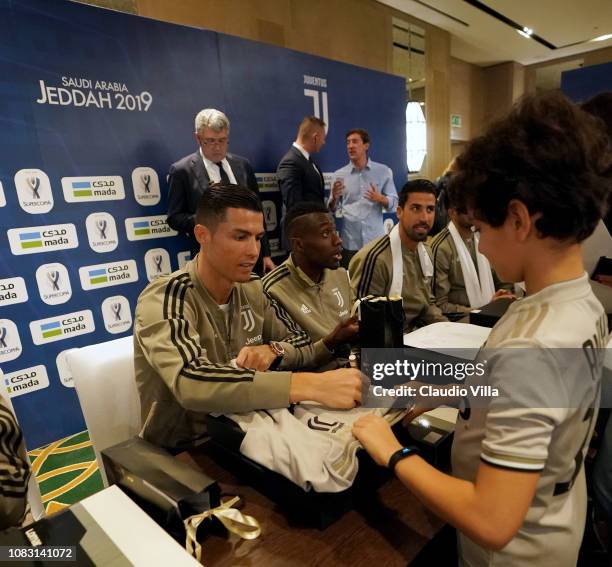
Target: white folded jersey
[(313, 446)]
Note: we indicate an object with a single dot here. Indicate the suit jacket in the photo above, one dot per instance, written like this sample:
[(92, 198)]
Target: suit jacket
[(298, 180), (187, 180)]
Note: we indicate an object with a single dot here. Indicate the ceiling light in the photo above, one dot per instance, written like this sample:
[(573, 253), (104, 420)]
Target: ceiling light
[(526, 32), (603, 37)]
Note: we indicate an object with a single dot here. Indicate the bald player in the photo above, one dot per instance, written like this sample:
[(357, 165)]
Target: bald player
[(310, 284), (400, 263), (536, 184)]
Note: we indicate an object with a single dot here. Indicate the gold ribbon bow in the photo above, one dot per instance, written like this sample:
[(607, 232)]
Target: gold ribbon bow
[(234, 521)]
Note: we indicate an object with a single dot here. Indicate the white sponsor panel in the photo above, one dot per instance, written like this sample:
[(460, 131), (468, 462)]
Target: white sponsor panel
[(13, 290), (10, 343), (37, 239), (117, 314), (34, 191), (143, 228), (2, 197), (101, 232), (93, 188), (106, 275), (157, 263), (270, 216), (26, 380), (65, 375), (146, 186), (62, 327), (183, 258), (53, 283)]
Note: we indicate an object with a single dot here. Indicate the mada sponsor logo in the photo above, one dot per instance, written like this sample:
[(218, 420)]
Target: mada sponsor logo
[(63, 370), (146, 186), (10, 343), (13, 290), (142, 228), (2, 197), (101, 232), (117, 314), (105, 275), (26, 380), (37, 239), (157, 263), (34, 191), (93, 188), (183, 258), (53, 283), (62, 327)]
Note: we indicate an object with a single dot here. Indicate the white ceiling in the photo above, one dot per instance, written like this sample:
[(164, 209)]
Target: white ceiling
[(480, 38)]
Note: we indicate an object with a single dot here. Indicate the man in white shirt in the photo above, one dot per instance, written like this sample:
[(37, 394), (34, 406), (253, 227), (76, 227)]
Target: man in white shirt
[(191, 175)]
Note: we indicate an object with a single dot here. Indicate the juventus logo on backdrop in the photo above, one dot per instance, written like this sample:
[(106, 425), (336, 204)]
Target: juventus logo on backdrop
[(248, 319)]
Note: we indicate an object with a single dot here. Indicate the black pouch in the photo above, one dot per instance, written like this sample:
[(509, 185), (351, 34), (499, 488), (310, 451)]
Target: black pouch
[(381, 322)]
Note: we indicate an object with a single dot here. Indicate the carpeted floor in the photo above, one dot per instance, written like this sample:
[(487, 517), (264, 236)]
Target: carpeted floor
[(66, 471)]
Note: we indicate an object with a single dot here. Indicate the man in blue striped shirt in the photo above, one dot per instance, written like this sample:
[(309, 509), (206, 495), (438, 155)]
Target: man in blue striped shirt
[(361, 192)]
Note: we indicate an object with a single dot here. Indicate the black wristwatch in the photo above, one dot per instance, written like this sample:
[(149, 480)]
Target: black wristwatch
[(401, 454)]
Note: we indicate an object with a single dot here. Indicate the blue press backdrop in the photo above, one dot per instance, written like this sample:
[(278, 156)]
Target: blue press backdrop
[(57, 293)]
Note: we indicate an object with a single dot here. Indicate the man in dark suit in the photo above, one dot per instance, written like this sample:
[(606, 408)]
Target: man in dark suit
[(191, 175), (299, 177)]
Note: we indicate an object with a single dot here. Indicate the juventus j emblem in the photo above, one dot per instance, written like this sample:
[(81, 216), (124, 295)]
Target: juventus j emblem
[(34, 183), (53, 276), (248, 320), (339, 297), (146, 179)]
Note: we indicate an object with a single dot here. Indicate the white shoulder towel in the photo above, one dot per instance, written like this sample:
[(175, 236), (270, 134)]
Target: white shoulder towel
[(314, 447), (479, 291), (398, 263)]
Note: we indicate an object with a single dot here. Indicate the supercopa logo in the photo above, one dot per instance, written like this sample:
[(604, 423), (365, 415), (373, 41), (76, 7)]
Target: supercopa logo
[(116, 314), (34, 191), (53, 283), (38, 239), (101, 232), (146, 186), (157, 263), (10, 343)]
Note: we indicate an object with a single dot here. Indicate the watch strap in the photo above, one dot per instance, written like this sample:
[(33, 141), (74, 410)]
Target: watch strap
[(401, 454)]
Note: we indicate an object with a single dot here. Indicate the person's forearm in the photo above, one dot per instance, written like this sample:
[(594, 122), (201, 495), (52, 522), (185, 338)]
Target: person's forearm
[(456, 501), (302, 387)]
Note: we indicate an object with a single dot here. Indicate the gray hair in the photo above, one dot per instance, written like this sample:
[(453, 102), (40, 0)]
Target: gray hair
[(211, 118)]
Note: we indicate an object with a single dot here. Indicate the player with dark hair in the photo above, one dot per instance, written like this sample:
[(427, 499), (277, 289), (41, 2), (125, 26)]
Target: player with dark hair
[(310, 285), (399, 263), (535, 183), (207, 339)]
